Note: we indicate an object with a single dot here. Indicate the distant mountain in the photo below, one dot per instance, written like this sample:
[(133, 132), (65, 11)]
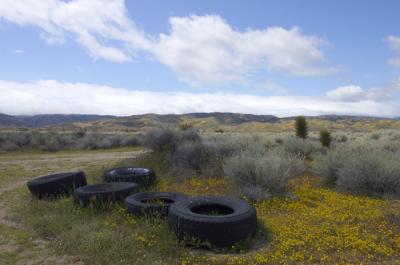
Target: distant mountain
[(36, 121), (234, 118), (334, 117), (215, 121)]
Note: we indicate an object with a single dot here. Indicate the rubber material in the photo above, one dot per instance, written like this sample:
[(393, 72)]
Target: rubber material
[(152, 202), (139, 175), (56, 184), (105, 192), (233, 220)]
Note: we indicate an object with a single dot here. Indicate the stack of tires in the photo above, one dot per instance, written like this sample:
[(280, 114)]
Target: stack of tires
[(220, 221)]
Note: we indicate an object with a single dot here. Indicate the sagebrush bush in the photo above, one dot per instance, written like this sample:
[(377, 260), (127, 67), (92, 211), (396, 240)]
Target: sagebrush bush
[(301, 147), (159, 139), (259, 175), (55, 141), (186, 152), (329, 165), (372, 172), (361, 169)]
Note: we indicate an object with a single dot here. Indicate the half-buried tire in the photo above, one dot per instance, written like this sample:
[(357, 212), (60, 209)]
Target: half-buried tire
[(220, 221), (152, 203), (56, 185), (139, 175), (104, 193)]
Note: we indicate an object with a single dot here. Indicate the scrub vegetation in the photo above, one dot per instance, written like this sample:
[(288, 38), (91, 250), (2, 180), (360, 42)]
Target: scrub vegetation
[(315, 205)]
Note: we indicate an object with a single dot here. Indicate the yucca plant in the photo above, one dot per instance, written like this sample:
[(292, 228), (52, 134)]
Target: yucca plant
[(325, 138), (301, 127)]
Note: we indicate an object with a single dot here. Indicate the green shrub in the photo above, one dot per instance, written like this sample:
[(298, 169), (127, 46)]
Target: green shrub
[(301, 127), (375, 136), (325, 138)]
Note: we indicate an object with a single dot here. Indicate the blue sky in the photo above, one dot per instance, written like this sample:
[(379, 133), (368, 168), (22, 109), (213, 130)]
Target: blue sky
[(264, 57)]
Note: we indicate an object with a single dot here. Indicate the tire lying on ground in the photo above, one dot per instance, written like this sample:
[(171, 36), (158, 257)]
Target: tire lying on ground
[(152, 202), (139, 175), (220, 221), (105, 192), (56, 184)]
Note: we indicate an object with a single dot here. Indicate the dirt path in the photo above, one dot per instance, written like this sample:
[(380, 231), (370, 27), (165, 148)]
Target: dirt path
[(75, 157), (33, 250)]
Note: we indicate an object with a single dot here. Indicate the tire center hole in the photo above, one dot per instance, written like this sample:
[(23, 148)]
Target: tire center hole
[(212, 209), (158, 201)]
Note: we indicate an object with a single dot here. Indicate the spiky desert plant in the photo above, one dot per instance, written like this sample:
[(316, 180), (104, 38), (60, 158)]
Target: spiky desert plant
[(301, 127), (325, 138)]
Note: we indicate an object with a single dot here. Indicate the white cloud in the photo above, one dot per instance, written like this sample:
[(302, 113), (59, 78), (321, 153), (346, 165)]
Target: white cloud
[(394, 44), (354, 93), (48, 96), (101, 26), (199, 49), (18, 51), (347, 93), (206, 50)]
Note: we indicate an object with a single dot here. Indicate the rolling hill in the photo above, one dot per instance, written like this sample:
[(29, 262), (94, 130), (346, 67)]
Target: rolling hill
[(204, 121)]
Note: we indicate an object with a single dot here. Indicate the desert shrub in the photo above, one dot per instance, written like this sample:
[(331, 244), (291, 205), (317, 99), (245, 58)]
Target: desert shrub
[(185, 126), (227, 146), (159, 139), (361, 169), (375, 136), (81, 132), (258, 175), (329, 165), (373, 172), (186, 151), (341, 138), (325, 138), (193, 157), (301, 147), (130, 141), (301, 127), (55, 141)]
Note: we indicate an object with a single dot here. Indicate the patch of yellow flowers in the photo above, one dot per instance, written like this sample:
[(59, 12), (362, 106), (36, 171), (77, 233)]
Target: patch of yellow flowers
[(321, 226)]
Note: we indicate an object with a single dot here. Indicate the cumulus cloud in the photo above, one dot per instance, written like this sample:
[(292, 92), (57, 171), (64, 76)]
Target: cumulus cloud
[(101, 26), (206, 49), (394, 44), (199, 49), (354, 93), (347, 93), (48, 96)]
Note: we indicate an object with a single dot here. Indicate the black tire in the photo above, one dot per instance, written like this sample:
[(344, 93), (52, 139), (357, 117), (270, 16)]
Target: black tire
[(235, 220), (56, 184), (141, 203), (105, 192), (139, 175)]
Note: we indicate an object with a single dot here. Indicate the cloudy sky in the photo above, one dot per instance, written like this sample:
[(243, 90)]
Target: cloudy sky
[(265, 57)]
